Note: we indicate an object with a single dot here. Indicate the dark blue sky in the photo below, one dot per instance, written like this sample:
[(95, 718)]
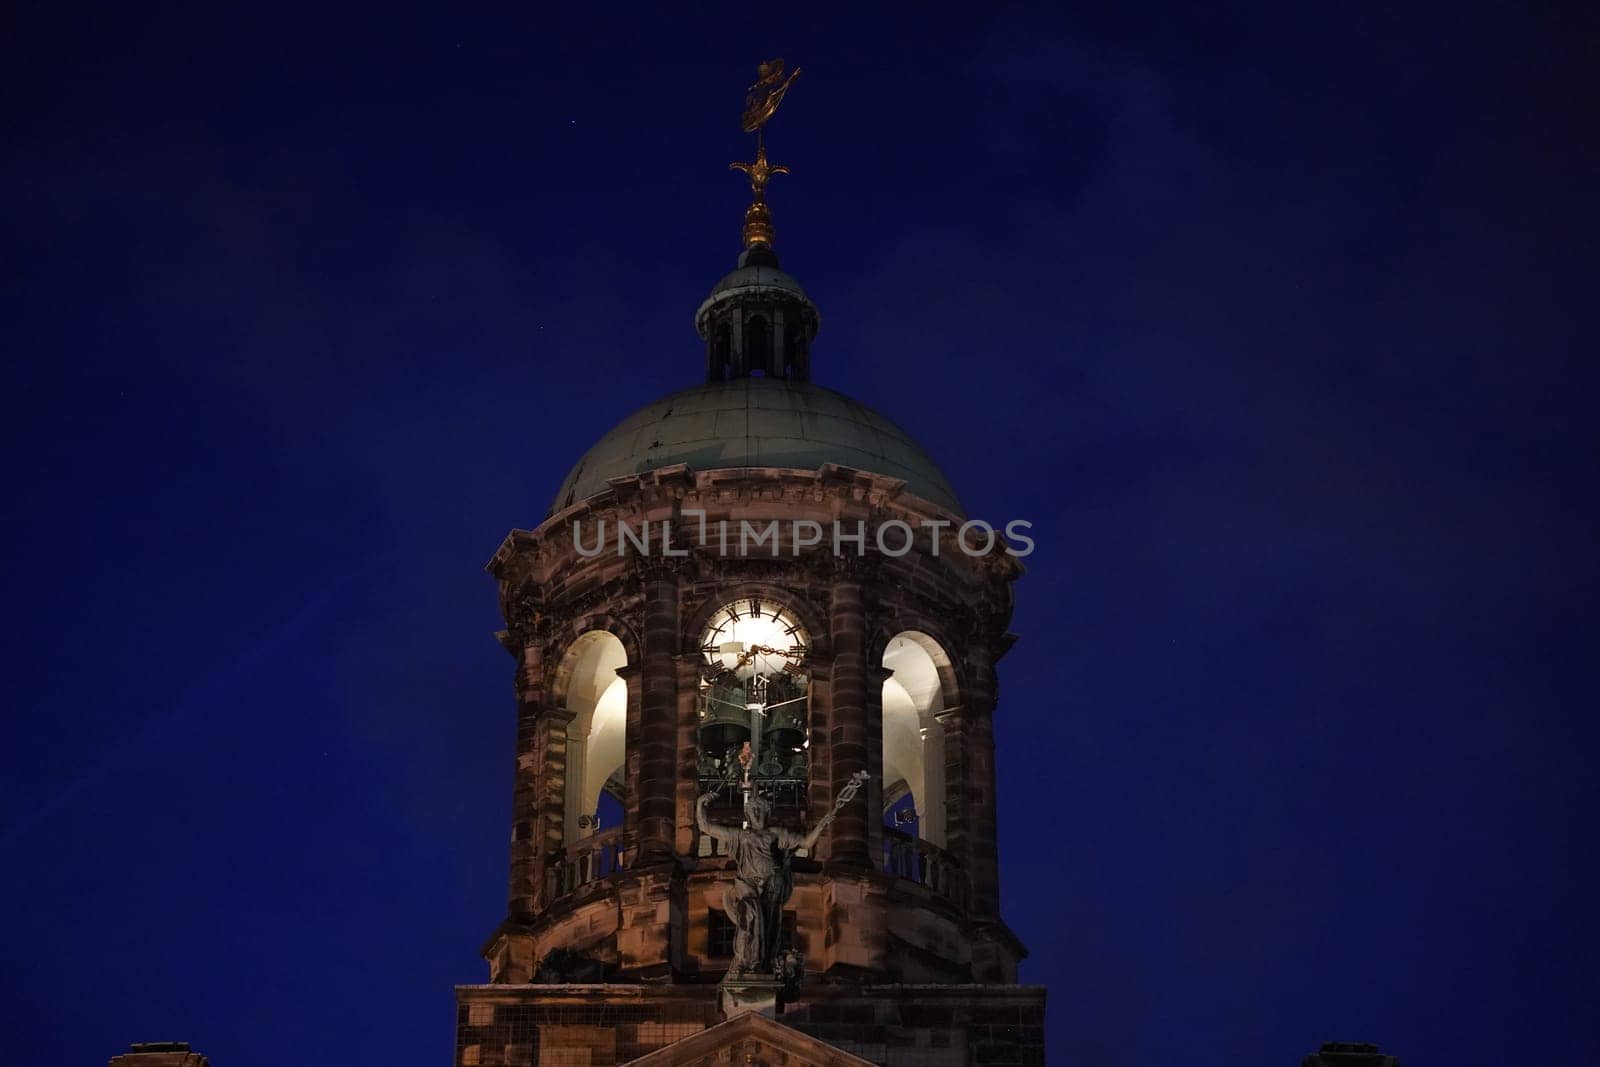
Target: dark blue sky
[(1272, 320)]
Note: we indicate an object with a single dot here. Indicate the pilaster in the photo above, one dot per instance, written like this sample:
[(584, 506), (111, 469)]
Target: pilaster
[(982, 857), (849, 735), (528, 830), (658, 728), (687, 741)]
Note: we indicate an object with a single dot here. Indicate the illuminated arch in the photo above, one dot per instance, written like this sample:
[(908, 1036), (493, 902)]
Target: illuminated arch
[(597, 697), (921, 687)]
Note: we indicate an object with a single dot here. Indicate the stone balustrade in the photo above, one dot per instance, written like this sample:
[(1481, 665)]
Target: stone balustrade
[(925, 863), (588, 860)]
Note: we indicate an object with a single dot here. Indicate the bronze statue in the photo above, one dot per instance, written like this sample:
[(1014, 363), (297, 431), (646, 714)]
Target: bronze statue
[(762, 882)]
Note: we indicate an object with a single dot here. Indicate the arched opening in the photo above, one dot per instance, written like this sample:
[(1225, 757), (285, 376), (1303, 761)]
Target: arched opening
[(758, 346), (721, 351), (753, 709), (596, 750), (913, 738)]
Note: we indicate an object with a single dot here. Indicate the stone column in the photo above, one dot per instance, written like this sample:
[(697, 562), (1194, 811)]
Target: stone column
[(876, 675), (687, 742), (957, 839), (780, 348), (577, 757), (658, 726), (849, 734), (633, 726), (550, 734), (982, 855), (934, 802), (819, 759), (530, 832)]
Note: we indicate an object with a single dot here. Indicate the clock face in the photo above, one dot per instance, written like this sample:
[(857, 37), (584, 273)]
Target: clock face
[(754, 701), (752, 637)]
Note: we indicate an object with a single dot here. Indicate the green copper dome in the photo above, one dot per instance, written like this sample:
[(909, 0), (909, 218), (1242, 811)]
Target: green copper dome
[(756, 422)]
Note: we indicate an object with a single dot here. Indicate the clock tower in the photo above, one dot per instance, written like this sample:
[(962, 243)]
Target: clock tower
[(753, 805)]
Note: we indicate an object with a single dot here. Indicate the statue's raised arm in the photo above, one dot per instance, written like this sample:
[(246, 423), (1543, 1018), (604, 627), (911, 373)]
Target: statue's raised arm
[(851, 788), (724, 834)]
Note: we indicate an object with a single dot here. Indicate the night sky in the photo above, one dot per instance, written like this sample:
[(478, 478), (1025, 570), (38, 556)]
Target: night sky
[(1275, 321)]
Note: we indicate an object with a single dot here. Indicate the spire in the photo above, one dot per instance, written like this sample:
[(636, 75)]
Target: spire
[(757, 321)]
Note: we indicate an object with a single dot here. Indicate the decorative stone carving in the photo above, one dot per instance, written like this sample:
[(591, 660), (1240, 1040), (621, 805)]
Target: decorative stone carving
[(525, 617)]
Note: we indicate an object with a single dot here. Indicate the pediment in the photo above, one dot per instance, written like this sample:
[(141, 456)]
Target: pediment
[(751, 1040)]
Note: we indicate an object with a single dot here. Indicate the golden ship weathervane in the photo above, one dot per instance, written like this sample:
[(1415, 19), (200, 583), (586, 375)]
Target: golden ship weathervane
[(761, 102)]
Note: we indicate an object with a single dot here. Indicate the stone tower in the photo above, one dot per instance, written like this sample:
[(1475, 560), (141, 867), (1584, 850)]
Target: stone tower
[(754, 587)]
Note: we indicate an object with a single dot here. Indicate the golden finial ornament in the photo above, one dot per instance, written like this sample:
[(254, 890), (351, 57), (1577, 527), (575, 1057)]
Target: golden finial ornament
[(761, 102), (760, 172), (757, 218)]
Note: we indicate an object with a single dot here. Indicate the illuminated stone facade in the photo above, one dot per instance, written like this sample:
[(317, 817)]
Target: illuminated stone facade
[(615, 945)]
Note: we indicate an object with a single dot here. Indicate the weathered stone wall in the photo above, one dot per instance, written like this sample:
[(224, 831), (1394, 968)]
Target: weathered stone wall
[(648, 921), (526, 1025), (893, 1025)]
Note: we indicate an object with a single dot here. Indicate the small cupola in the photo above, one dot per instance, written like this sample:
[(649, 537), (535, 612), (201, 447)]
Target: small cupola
[(757, 322)]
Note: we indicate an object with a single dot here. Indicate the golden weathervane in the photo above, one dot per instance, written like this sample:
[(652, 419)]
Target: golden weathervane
[(761, 102)]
